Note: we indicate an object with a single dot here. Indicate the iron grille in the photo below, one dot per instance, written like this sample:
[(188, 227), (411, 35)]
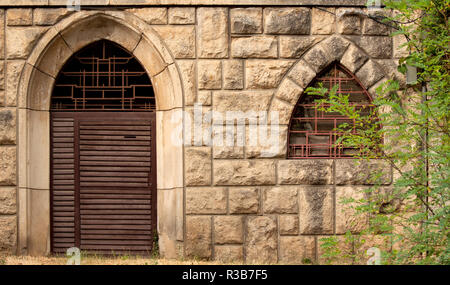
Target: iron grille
[(103, 77), (312, 133)]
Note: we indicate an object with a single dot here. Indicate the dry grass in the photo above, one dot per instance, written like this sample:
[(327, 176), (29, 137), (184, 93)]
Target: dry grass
[(99, 260)]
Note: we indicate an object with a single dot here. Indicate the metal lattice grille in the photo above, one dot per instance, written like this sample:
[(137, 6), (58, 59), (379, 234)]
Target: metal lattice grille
[(103, 76), (312, 133)]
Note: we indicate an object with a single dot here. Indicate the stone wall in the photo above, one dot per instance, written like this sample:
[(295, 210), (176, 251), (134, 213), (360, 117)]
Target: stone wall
[(239, 204)]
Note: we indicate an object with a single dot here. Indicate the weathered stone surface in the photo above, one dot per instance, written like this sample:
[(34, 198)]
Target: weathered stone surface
[(288, 224), (318, 57), (228, 229), (244, 172), (188, 70), (323, 21), (344, 246), (7, 126), (8, 165), (243, 200), (297, 250), (254, 47), (229, 253), (282, 109), (287, 21), (302, 74), (209, 74), (353, 58), (198, 166), (281, 200), (24, 39), (8, 234), (316, 210), (246, 20), (335, 47), (296, 46), (264, 142), (206, 200), (212, 29), (349, 21), (228, 141), (2, 74), (376, 47), (399, 49), (265, 74), (151, 15), (261, 241), (46, 16), (240, 101), (194, 134), (289, 91), (2, 33), (7, 201), (182, 15), (19, 17), (179, 39), (233, 74), (374, 28), (13, 71), (308, 171), (390, 68), (354, 172), (198, 237), (204, 98), (369, 74), (346, 217)]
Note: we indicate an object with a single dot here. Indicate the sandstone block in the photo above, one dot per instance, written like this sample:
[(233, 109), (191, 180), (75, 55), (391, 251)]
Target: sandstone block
[(263, 142), (289, 91), (244, 172), (297, 250), (198, 166), (209, 74), (287, 21), (254, 47), (302, 74), (228, 141), (182, 15), (8, 234), (316, 210), (354, 58), (349, 21), (375, 28), (228, 229), (318, 57), (8, 165), (198, 237), (13, 72), (206, 200), (229, 253), (47, 17), (179, 39), (323, 21), (353, 172), (233, 74), (288, 224), (369, 74), (265, 74), (261, 241), (151, 15), (212, 32), (188, 70), (282, 109), (2, 74), (296, 46), (204, 98), (346, 217), (376, 47), (399, 49), (24, 39), (2, 33), (19, 17), (307, 171), (281, 200), (335, 46), (7, 201), (244, 200), (7, 126), (246, 20)]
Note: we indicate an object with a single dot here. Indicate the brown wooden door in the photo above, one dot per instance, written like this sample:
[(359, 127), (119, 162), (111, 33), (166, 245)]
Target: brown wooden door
[(103, 181)]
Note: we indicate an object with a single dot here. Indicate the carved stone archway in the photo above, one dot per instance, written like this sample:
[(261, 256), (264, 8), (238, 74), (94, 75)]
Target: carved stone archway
[(56, 46)]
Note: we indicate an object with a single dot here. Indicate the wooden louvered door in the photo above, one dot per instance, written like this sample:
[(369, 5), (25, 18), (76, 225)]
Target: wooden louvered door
[(103, 182)]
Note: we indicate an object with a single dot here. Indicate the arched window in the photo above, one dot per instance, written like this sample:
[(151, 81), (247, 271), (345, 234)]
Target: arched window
[(311, 131), (103, 77)]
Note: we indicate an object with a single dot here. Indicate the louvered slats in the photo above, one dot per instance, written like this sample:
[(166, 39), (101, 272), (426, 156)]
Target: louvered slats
[(115, 183)]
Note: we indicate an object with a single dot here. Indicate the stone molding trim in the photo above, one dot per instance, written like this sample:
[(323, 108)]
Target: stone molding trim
[(54, 48), (51, 3)]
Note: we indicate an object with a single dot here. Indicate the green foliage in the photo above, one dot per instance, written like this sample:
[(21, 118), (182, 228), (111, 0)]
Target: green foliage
[(408, 127)]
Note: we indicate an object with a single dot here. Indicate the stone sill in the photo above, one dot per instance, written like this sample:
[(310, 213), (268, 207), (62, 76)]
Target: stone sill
[(60, 3)]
